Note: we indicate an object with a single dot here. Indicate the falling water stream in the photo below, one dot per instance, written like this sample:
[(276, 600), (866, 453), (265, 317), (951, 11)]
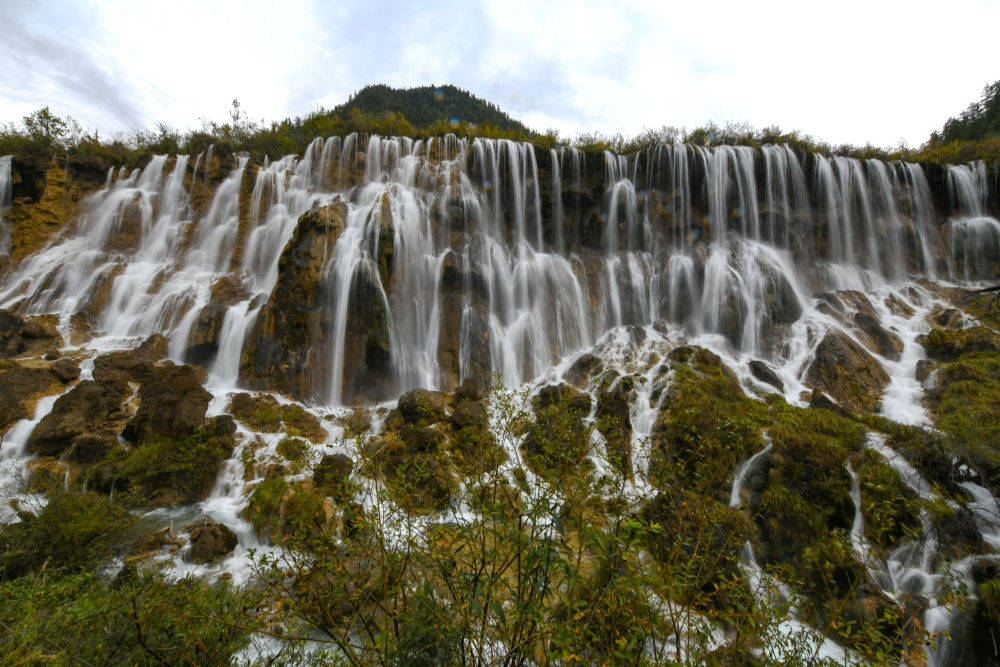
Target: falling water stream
[(556, 253)]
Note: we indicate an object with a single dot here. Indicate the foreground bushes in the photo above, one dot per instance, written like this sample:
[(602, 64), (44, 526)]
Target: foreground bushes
[(134, 619)]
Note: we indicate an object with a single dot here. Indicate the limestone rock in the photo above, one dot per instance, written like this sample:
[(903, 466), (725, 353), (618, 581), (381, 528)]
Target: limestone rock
[(203, 340), (421, 406), (331, 473), (582, 369), (20, 384), (90, 407), (281, 352), (765, 374), (65, 370), (19, 335), (136, 364), (880, 339), (210, 541), (844, 370), (172, 403)]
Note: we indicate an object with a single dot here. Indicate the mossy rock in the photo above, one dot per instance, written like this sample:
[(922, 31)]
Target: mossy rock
[(301, 424), (168, 471), (258, 412), (280, 510), (706, 427), (293, 449)]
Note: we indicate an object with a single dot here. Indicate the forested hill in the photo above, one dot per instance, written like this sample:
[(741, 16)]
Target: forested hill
[(427, 105), (980, 120)]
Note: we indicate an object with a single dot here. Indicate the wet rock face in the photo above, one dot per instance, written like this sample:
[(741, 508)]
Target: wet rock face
[(172, 403), (281, 352), (91, 409), (845, 371), (133, 365), (20, 384), (880, 339), (20, 335), (210, 541), (765, 374), (203, 341)]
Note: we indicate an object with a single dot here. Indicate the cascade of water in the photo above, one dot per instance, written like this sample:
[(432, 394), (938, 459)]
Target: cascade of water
[(973, 237), (922, 214), (6, 190), (528, 287)]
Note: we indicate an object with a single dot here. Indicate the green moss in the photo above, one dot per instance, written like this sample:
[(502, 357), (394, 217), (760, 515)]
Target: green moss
[(293, 449), (889, 507), (302, 424), (965, 407), (708, 427), (73, 532), (278, 509), (167, 471), (259, 412)]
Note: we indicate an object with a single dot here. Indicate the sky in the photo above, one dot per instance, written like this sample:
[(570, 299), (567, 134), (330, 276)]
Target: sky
[(871, 71)]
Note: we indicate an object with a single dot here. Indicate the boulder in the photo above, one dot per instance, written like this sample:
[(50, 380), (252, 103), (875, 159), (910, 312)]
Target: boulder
[(879, 338), (948, 345), (11, 343), (469, 413), (582, 370), (763, 372), (844, 370), (259, 412), (421, 406), (209, 541), (65, 370), (19, 335), (557, 442), (471, 389), (172, 403), (135, 365), (88, 408)]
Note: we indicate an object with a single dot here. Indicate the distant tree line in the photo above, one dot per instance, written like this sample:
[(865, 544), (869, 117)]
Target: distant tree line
[(426, 105), (980, 120)]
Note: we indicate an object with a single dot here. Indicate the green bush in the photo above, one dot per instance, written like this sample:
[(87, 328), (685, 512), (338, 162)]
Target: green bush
[(138, 619), (73, 532)]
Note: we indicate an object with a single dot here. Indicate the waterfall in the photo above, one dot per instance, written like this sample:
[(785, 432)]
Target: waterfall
[(973, 237), (727, 241), (6, 191)]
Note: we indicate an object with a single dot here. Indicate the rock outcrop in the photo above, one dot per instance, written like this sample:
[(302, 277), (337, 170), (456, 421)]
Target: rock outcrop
[(210, 541), (90, 413), (172, 404), (283, 350), (844, 370)]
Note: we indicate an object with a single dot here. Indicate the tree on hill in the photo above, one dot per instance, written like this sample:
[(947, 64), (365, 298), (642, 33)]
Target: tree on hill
[(979, 120), (427, 105)]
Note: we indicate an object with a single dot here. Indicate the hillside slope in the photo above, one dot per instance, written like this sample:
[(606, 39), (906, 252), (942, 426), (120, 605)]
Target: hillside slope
[(426, 105)]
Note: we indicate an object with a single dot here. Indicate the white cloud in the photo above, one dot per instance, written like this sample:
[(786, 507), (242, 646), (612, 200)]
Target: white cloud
[(849, 71)]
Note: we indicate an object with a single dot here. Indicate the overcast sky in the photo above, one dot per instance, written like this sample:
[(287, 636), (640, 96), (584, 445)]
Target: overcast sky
[(842, 71)]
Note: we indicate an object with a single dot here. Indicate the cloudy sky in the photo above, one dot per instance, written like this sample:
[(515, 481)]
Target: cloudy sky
[(877, 71)]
